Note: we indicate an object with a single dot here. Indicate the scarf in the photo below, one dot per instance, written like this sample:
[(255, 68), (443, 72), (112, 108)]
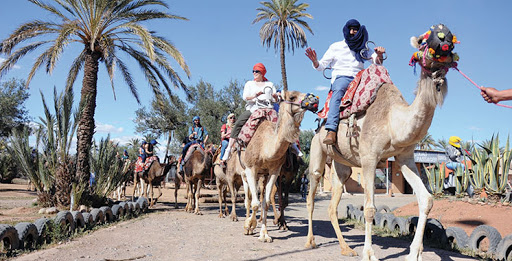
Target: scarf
[(357, 42)]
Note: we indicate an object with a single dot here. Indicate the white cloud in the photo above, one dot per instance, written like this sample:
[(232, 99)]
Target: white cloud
[(107, 128), (14, 67), (322, 88), (475, 128)]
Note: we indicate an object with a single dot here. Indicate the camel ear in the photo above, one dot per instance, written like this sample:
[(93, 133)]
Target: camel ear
[(414, 42)]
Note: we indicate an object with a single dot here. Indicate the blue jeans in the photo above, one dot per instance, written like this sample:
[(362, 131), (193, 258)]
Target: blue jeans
[(453, 165), (338, 87), (224, 145)]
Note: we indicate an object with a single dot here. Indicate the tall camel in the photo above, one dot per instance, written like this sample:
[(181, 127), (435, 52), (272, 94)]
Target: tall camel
[(266, 152), (229, 176), (127, 174), (196, 168), (153, 177), (390, 127)]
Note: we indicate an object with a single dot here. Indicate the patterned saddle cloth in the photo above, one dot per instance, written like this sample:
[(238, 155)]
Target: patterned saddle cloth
[(254, 121), (361, 92), (139, 166), (191, 150)]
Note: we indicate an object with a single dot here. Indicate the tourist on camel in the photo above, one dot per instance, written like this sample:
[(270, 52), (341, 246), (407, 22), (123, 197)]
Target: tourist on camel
[(142, 151), (258, 93), (225, 132), (150, 151), (345, 60), (197, 134)]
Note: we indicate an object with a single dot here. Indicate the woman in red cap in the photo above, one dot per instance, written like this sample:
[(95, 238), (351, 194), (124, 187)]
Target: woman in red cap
[(258, 93)]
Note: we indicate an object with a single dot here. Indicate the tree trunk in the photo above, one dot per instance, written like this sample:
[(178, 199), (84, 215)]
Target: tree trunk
[(85, 130), (283, 65)]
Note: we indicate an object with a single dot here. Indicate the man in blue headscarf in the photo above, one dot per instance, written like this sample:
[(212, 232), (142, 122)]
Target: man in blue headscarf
[(345, 60)]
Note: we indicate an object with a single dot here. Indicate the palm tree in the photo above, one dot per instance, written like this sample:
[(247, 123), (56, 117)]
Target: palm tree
[(427, 143), (104, 28), (283, 27)]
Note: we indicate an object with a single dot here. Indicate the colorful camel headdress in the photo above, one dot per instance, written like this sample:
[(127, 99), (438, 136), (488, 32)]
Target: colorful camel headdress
[(436, 44)]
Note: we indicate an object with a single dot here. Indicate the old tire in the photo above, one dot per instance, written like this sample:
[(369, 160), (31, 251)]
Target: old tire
[(504, 249), (27, 235), (435, 232), (383, 209), (348, 208), (79, 219), (398, 224), (377, 218), (386, 219), (8, 238), (457, 237), (143, 203), (479, 234), (88, 219), (44, 230), (117, 211), (126, 207), (107, 213), (135, 208), (64, 219), (97, 216), (411, 224)]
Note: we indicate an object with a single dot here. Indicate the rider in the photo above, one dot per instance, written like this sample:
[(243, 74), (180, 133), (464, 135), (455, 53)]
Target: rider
[(125, 155), (151, 147), (196, 134), (345, 60), (225, 132), (258, 93), (142, 151)]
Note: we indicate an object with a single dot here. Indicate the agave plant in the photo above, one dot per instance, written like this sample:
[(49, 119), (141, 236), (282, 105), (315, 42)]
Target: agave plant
[(497, 167), (477, 178), (108, 168), (435, 174), (461, 180)]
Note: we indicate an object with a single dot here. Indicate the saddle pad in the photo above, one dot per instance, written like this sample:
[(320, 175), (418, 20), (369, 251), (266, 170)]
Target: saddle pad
[(139, 166), (254, 121), (361, 92)]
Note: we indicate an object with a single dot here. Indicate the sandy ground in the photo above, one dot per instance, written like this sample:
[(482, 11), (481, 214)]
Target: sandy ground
[(171, 234)]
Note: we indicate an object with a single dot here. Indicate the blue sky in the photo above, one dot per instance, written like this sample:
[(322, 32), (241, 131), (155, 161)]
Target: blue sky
[(220, 44)]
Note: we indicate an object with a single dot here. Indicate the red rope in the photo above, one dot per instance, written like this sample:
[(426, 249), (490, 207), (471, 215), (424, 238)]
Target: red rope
[(480, 88)]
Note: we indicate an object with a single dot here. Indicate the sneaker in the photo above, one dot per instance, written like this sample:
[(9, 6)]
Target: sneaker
[(300, 154), (330, 138)]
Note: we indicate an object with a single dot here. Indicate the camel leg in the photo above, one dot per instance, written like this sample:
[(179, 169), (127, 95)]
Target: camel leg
[(159, 193), (197, 195), (188, 207), (233, 200), (251, 223), (316, 171), (151, 200), (247, 198), (177, 182), (135, 182), (369, 164), (264, 237), (342, 173), (261, 185), (220, 188), (273, 202), (425, 202)]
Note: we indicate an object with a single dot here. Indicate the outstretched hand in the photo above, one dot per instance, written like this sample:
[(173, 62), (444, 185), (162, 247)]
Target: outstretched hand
[(311, 54), (379, 50)]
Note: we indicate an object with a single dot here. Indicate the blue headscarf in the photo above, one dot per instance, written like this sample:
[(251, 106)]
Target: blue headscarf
[(357, 42)]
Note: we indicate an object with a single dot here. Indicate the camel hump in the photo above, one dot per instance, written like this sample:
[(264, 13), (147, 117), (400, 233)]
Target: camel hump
[(257, 117)]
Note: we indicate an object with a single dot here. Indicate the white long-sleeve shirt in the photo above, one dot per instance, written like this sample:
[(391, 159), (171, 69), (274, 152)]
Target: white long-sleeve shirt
[(264, 100), (342, 60)]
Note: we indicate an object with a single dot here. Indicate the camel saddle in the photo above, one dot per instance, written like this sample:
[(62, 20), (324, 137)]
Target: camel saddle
[(140, 166), (361, 92), (254, 121), (191, 150)]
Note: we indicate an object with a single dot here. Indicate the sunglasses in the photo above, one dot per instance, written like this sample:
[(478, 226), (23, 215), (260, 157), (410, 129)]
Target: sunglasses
[(256, 71)]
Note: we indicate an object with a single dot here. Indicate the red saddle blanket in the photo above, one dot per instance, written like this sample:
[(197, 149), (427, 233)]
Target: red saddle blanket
[(254, 121), (361, 91), (191, 150), (139, 166)]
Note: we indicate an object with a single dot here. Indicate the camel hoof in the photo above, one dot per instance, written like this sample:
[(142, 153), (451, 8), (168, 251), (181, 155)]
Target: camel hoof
[(234, 218), (349, 252), (265, 239), (198, 213), (310, 243), (221, 215)]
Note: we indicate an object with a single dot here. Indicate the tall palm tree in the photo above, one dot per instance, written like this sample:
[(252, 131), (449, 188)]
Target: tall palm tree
[(283, 28), (104, 29), (427, 143)]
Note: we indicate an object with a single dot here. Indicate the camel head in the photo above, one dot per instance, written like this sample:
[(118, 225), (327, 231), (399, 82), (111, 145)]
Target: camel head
[(292, 109)]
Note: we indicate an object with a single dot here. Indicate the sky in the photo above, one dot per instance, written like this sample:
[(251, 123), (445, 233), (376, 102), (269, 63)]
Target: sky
[(220, 43)]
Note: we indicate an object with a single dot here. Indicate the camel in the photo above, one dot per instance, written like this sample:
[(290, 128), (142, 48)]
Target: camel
[(195, 170), (228, 177), (153, 177), (390, 127), (265, 153)]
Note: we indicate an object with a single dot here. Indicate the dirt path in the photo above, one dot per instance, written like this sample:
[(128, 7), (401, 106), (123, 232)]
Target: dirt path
[(170, 234)]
